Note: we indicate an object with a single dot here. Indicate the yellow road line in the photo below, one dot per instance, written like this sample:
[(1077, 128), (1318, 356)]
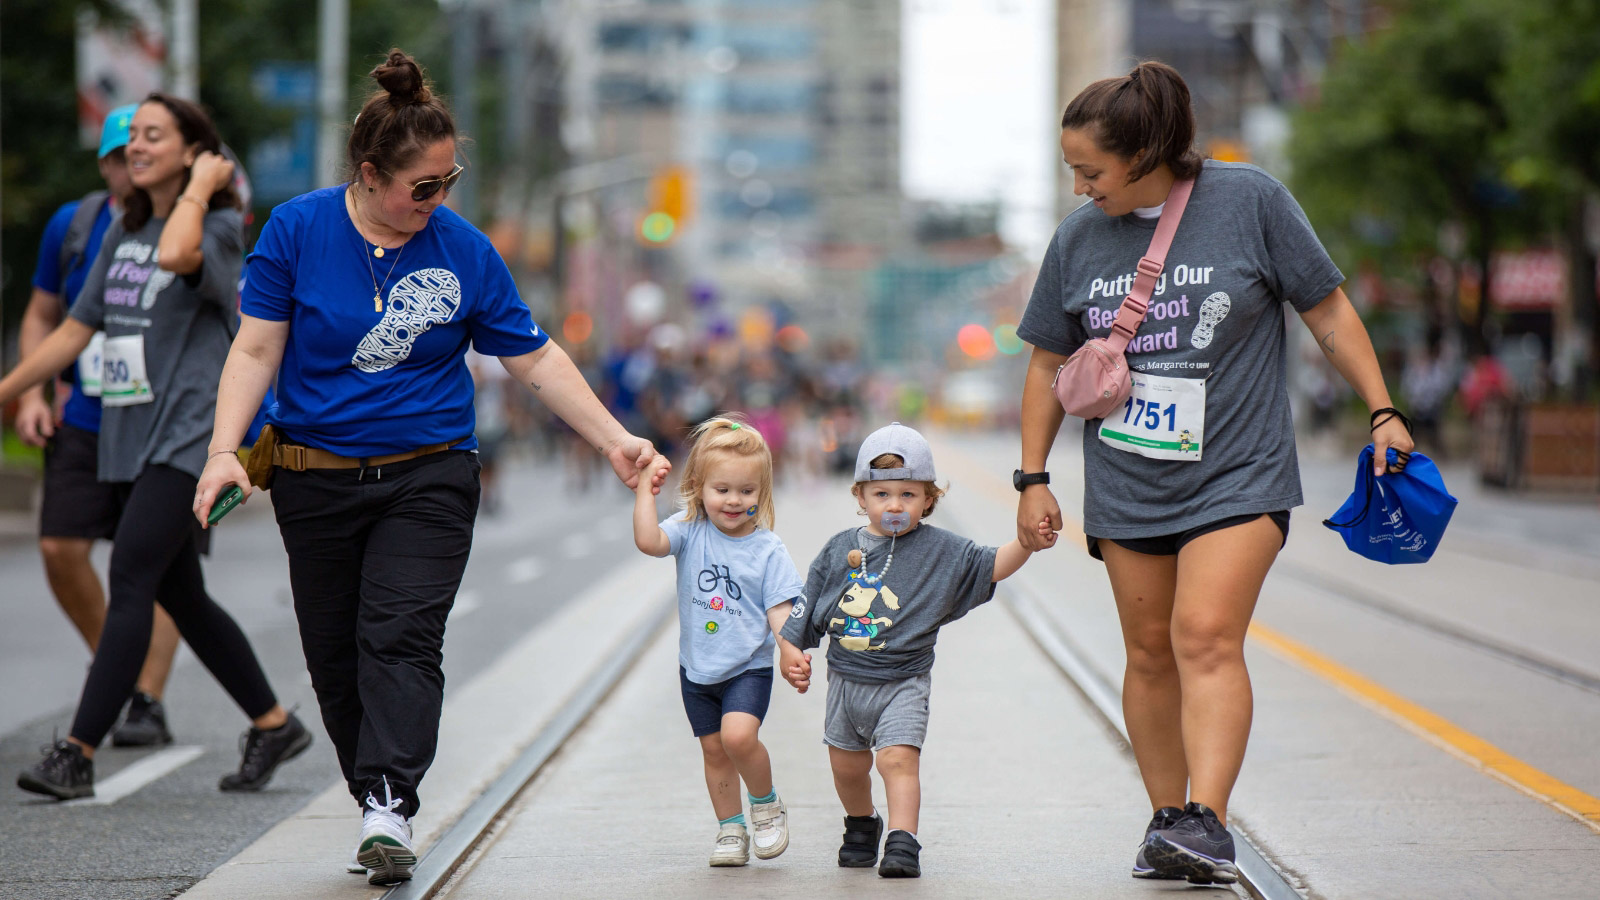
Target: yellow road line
[(1430, 726), (1437, 730)]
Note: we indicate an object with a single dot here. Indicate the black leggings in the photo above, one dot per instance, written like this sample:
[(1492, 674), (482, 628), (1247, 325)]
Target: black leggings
[(155, 556)]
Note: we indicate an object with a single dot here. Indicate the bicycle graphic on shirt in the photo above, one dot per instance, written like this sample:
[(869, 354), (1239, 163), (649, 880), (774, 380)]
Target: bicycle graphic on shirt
[(710, 578)]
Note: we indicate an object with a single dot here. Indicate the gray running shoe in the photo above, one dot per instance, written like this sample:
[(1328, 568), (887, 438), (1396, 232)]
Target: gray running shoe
[(1165, 817), (1197, 846)]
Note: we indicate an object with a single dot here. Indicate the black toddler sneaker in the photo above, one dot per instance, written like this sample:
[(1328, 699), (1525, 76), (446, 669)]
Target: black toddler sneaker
[(901, 856), (861, 837), (261, 752), (144, 726), (1165, 817), (64, 773), (1197, 847)]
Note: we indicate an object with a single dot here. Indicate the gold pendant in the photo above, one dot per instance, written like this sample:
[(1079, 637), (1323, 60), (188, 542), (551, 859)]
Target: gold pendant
[(378, 252), (377, 304)]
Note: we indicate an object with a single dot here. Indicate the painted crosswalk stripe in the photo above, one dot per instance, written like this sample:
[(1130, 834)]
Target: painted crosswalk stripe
[(138, 775)]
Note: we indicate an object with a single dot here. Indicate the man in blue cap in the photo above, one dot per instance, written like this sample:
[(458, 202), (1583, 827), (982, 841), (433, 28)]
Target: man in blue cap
[(77, 508)]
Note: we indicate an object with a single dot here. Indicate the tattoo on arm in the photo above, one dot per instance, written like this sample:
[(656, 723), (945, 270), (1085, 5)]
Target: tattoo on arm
[(535, 385), (1327, 343)]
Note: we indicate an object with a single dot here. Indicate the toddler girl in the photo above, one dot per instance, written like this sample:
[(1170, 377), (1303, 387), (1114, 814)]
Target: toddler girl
[(736, 585)]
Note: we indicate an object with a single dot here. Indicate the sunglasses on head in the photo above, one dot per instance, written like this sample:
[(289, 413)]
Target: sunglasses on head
[(427, 187)]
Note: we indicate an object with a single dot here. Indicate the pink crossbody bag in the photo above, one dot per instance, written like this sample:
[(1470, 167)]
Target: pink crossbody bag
[(1095, 380)]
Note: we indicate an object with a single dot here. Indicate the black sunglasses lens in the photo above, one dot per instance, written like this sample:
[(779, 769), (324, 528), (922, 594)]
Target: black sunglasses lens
[(425, 189)]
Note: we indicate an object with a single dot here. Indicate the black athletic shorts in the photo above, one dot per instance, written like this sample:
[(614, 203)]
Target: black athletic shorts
[(76, 503), (1170, 544)]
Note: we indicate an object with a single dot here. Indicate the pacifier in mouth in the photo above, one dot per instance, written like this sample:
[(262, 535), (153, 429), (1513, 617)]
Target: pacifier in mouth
[(894, 522)]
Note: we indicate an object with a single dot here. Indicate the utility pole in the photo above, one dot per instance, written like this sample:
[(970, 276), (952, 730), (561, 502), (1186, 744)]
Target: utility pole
[(186, 49), (464, 99), (333, 63)]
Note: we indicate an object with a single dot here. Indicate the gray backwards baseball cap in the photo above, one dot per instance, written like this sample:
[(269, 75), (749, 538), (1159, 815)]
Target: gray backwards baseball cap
[(904, 442)]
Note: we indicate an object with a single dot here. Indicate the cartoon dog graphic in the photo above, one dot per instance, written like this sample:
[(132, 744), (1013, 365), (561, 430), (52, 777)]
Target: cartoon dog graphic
[(861, 627)]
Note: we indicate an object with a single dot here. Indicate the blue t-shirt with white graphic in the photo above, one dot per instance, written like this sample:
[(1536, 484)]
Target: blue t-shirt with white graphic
[(82, 411), (725, 587), (359, 382)]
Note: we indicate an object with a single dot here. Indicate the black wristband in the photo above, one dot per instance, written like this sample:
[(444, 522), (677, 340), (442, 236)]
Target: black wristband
[(1393, 413)]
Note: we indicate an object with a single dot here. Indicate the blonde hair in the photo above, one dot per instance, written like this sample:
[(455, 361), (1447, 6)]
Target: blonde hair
[(725, 437), (893, 461)]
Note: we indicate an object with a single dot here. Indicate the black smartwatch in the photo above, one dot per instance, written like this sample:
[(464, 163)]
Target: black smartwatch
[(1020, 479)]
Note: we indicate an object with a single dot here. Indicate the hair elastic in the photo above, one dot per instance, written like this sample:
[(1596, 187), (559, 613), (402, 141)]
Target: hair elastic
[(733, 426)]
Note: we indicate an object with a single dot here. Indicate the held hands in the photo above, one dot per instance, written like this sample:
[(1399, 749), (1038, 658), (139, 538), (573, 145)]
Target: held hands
[(211, 172), (1038, 518), (629, 459), (222, 469), (652, 474), (795, 665)]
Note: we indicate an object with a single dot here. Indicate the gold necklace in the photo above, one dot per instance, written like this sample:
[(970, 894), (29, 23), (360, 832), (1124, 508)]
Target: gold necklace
[(377, 289)]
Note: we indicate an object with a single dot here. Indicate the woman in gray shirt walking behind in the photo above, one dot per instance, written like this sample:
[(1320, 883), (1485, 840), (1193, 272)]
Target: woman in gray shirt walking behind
[(164, 290)]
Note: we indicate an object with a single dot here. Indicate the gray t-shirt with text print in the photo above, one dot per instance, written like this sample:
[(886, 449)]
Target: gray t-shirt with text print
[(185, 324), (1242, 250)]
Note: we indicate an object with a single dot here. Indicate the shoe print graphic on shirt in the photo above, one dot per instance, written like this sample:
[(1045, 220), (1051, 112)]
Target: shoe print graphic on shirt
[(419, 301), (1212, 312)]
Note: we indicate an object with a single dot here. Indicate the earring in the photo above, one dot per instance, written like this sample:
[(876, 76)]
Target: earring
[(369, 190)]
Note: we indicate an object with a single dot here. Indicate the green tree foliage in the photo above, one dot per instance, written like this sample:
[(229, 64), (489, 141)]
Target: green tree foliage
[(1402, 140)]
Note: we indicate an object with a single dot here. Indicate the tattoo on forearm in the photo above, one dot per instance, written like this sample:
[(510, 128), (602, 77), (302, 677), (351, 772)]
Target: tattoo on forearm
[(1327, 343), (535, 385)]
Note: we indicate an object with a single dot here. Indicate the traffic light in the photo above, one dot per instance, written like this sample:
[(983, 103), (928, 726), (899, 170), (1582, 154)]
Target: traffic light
[(671, 201)]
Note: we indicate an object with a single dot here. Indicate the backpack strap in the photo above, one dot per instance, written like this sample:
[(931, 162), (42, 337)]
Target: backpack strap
[(76, 241), (1131, 314)]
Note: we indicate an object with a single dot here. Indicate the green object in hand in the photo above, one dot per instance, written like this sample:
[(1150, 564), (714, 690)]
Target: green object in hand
[(230, 498)]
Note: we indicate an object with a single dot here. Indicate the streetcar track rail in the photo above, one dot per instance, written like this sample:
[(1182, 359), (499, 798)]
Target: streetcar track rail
[(1257, 875), (1340, 589), (484, 818)]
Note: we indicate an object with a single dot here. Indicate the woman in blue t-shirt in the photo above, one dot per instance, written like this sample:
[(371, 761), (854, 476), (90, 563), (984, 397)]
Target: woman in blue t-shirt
[(1188, 487), (362, 299)]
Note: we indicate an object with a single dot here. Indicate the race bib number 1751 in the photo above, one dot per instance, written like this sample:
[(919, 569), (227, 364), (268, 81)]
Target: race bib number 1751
[(1164, 418)]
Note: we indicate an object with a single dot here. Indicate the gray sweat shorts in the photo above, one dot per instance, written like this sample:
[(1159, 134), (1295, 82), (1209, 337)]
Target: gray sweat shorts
[(862, 715)]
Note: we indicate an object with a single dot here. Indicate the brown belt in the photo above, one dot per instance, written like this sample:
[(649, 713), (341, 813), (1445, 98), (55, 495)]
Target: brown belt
[(298, 458)]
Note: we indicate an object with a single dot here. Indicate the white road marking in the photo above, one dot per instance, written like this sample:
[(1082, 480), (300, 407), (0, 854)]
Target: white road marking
[(524, 570), (138, 775), (466, 603)]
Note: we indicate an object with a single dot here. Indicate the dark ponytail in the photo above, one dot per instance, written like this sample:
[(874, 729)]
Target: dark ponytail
[(1147, 109), (399, 120)]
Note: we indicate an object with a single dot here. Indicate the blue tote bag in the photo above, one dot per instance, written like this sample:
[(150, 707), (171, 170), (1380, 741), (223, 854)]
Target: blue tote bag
[(1398, 518)]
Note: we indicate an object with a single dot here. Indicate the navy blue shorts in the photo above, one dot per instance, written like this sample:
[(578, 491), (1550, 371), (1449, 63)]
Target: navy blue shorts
[(706, 704), (1170, 544)]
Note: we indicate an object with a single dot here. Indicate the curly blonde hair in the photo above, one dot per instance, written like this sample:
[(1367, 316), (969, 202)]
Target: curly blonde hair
[(893, 461), (726, 437)]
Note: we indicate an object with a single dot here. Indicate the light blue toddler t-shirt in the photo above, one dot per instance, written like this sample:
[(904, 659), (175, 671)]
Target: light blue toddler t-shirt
[(725, 587)]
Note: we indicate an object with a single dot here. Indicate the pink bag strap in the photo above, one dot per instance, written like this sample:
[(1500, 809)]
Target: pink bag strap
[(1131, 314)]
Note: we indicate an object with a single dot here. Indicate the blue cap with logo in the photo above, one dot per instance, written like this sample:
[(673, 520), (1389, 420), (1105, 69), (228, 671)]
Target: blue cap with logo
[(114, 134)]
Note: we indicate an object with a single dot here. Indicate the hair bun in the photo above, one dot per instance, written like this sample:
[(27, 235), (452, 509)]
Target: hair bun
[(402, 78)]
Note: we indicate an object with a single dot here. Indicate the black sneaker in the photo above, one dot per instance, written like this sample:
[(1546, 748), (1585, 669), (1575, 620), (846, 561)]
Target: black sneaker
[(144, 726), (861, 837), (901, 856), (261, 752), (1165, 817), (1197, 846), (64, 773)]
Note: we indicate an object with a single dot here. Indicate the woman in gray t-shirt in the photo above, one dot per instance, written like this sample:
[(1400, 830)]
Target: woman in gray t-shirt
[(164, 291), (1188, 486)]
